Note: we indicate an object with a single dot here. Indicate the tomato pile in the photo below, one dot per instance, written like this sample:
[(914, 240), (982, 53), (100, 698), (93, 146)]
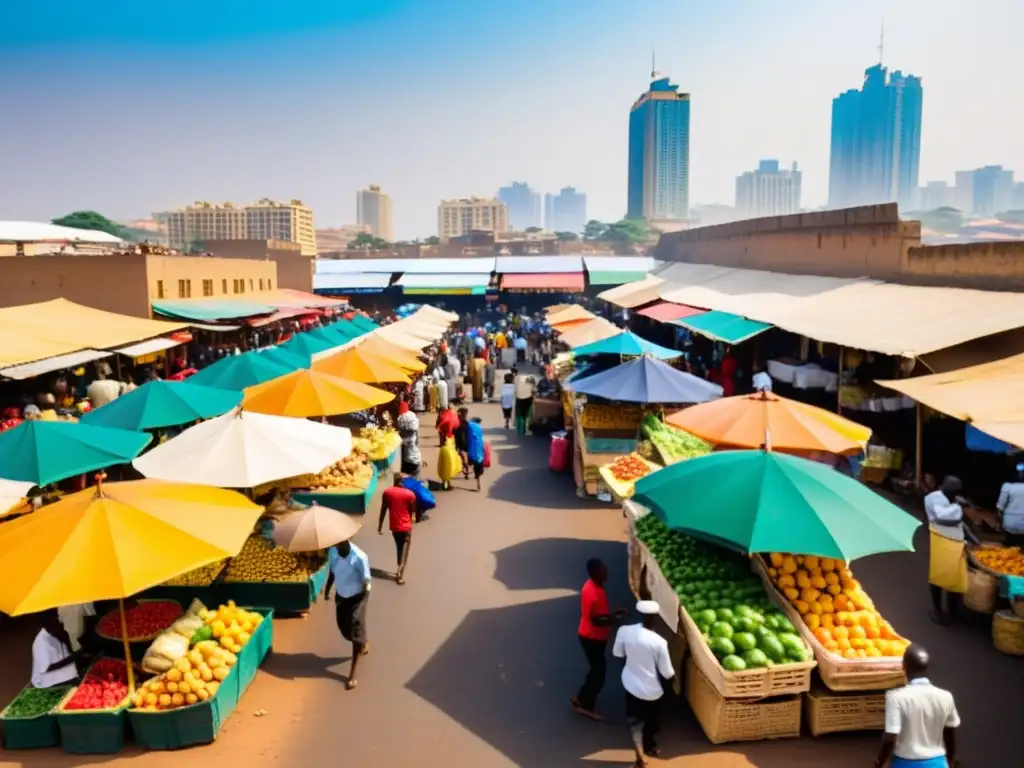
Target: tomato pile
[(629, 468), (145, 620), (105, 686)]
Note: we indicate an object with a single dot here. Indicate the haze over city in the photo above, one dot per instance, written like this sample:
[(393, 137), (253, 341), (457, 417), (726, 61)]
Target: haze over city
[(141, 108)]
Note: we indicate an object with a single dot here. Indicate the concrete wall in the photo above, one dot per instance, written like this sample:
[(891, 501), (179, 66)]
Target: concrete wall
[(294, 270), (114, 282), (165, 272), (870, 241)]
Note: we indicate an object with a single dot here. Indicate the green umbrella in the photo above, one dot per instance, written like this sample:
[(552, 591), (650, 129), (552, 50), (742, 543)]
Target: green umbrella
[(333, 336), (43, 452), (759, 501), (290, 359), (306, 345), (236, 372), (363, 323), (159, 404), (349, 328)]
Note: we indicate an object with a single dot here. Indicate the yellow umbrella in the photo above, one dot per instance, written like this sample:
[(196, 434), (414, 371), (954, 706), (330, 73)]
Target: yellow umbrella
[(360, 364), (305, 392), (115, 540), (384, 348)]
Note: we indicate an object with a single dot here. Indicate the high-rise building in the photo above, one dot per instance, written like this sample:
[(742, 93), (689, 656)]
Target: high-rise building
[(373, 208), (566, 211), (659, 153), (984, 191), (768, 191), (471, 214), (876, 141), (264, 220), (935, 194), (523, 205)]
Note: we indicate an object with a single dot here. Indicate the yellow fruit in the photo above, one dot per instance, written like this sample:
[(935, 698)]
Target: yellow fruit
[(220, 674), (217, 626), (803, 579), (776, 559), (164, 700), (183, 665), (811, 561), (813, 621), (243, 638), (173, 675), (791, 594), (184, 688), (202, 694), (177, 699), (801, 606), (212, 688), (828, 564), (787, 581), (818, 582), (810, 595), (151, 699), (789, 564), (172, 687), (225, 642), (831, 578), (191, 698), (205, 673)]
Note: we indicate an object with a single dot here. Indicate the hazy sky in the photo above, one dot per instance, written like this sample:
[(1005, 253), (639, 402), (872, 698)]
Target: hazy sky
[(130, 107)]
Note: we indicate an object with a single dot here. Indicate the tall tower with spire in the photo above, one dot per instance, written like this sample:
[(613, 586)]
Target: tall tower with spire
[(659, 152)]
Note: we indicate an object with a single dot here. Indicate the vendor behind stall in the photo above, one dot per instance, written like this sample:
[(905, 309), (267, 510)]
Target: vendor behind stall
[(947, 563), (53, 661)]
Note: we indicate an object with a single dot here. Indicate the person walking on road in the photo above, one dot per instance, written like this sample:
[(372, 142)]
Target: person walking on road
[(594, 629), (476, 451), (349, 573), (525, 387), (647, 665), (398, 503), (508, 398), (920, 720)]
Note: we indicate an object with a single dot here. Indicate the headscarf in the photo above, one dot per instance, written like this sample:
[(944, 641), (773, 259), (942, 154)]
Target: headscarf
[(403, 407)]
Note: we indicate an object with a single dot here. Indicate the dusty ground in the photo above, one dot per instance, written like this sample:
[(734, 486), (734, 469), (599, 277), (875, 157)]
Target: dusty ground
[(474, 659)]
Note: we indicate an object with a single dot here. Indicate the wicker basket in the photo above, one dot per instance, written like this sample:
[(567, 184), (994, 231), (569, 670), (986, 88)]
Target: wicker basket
[(1008, 633), (982, 591), (1017, 605), (837, 673), (830, 712), (725, 720)]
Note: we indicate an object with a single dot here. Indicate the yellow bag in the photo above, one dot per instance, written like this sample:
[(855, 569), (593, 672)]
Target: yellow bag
[(448, 462), (947, 563)]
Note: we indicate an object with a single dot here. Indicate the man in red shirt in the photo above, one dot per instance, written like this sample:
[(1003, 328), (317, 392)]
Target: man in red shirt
[(399, 504), (595, 626)]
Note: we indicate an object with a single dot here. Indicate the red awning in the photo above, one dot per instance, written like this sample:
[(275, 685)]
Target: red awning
[(666, 311), (544, 281)]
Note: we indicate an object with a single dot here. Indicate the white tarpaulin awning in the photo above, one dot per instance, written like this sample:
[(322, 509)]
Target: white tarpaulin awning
[(41, 232), (538, 265), (468, 265), (351, 281), (449, 280), (148, 347), (51, 364), (634, 294)]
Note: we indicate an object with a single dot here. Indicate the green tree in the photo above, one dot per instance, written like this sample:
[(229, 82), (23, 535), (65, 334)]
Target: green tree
[(629, 231), (366, 241), (90, 220), (432, 240), (567, 237), (532, 230), (595, 230)]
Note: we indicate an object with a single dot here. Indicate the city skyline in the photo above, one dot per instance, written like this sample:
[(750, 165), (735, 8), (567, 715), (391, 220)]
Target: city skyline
[(206, 91)]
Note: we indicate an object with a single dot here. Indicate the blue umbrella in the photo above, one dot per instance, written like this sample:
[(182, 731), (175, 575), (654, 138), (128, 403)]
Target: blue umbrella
[(626, 343), (646, 380)]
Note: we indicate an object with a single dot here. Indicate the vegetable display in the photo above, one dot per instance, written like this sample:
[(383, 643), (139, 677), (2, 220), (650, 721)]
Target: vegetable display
[(144, 620), (628, 469), (610, 417), (261, 560), (231, 626), (834, 606), (105, 686), (741, 625), (353, 472), (1008, 560), (33, 702), (673, 444)]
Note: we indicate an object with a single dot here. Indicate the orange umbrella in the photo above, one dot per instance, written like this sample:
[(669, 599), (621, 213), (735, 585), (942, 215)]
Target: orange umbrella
[(384, 348), (361, 364), (751, 421), (305, 393), (590, 330)]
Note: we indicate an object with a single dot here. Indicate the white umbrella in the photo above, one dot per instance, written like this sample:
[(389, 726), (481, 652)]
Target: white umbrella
[(12, 494), (243, 450), (434, 312), (417, 329), (402, 339)]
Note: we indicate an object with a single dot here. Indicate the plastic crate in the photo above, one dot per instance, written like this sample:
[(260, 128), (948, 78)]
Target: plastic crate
[(255, 651), (91, 731), (37, 732), (383, 465)]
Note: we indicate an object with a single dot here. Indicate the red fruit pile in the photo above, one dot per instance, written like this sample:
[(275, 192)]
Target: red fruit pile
[(145, 620), (629, 468), (105, 686)]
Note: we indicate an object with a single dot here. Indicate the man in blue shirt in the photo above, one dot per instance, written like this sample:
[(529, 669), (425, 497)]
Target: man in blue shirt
[(349, 574), (475, 450)]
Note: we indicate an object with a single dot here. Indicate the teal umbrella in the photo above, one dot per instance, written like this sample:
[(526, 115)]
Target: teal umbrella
[(349, 328), (363, 323), (759, 501), (236, 372), (306, 345), (44, 452), (290, 359), (158, 404), (333, 336), (626, 343)]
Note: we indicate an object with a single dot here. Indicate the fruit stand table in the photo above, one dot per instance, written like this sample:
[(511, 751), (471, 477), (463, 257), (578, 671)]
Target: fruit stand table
[(282, 596), (383, 465), (353, 501), (622, 490)]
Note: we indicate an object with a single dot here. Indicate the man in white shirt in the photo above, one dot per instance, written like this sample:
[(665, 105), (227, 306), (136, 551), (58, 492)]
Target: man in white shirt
[(1011, 506), (53, 662), (647, 664), (920, 720), (349, 573), (762, 381)]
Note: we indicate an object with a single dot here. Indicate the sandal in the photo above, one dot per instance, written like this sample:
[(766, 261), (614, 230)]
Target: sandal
[(399, 580)]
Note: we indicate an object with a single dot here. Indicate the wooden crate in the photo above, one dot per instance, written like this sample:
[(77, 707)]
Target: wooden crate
[(779, 680), (831, 712), (725, 720), (837, 673)]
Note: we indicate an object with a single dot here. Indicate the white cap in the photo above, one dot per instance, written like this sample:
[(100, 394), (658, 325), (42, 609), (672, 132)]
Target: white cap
[(648, 608)]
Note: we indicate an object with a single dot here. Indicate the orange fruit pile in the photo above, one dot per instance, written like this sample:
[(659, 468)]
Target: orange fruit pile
[(1008, 560)]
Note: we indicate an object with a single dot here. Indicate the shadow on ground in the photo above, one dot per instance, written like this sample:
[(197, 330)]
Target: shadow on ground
[(558, 563), (539, 487)]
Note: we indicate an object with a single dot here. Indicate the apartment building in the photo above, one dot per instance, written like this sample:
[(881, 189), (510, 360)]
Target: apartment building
[(471, 214), (264, 220)]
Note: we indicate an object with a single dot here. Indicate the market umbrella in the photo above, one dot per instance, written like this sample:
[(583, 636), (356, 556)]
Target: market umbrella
[(288, 359), (361, 364), (331, 334), (763, 418), (626, 343), (158, 404), (572, 314), (306, 393), (313, 529), (587, 332), (556, 308), (245, 450), (44, 452), (363, 323), (384, 348), (306, 345), (399, 338), (646, 380), (115, 540), (236, 372), (13, 496), (760, 501), (427, 310)]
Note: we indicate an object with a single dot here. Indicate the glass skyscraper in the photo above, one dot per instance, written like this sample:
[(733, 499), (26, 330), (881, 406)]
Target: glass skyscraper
[(876, 141), (659, 154)]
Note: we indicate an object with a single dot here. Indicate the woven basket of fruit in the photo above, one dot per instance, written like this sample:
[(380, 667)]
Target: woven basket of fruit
[(621, 475)]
